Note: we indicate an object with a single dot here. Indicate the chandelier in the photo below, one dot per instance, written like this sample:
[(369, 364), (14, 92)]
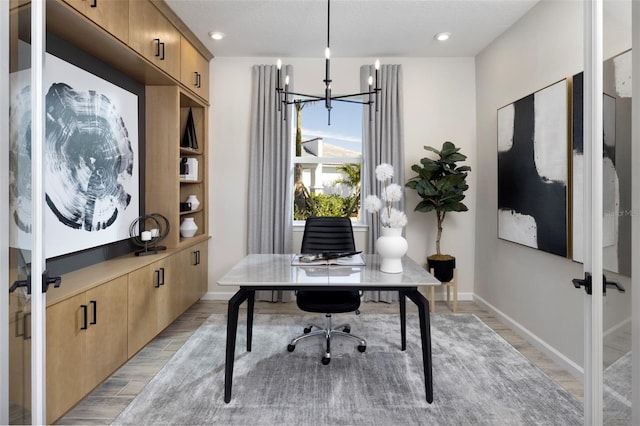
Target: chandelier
[(286, 97)]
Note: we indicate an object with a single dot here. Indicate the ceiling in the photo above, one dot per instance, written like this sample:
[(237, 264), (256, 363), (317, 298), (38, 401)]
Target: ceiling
[(359, 28)]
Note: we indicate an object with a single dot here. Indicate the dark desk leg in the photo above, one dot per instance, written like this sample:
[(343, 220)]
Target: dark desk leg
[(425, 335), (403, 319), (250, 299), (232, 328)]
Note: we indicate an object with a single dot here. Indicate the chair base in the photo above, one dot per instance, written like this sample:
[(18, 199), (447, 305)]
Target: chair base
[(328, 332)]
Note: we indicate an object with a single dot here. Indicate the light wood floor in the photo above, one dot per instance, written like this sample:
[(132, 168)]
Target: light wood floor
[(107, 401)]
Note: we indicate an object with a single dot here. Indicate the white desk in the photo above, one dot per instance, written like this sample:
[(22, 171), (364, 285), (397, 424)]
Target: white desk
[(274, 272)]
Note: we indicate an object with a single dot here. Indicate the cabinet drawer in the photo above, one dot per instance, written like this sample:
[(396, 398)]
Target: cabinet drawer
[(111, 15)]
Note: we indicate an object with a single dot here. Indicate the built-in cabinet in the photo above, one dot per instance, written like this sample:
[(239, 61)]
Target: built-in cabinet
[(154, 295), (154, 37), (86, 342), (111, 15), (194, 69), (164, 135), (192, 278), (105, 313)]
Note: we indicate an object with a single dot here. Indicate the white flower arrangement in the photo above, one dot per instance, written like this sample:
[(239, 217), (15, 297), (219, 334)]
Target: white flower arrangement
[(389, 217)]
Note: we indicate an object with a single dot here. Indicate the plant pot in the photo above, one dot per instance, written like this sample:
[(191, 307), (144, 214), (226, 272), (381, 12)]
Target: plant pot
[(443, 266)]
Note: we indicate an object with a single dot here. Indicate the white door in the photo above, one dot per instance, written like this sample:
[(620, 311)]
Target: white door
[(22, 337)]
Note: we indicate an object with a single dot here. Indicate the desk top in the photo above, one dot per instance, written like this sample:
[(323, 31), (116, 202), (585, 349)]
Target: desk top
[(269, 270)]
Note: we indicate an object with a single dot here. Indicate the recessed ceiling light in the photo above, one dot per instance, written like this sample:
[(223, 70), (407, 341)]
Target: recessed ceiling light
[(442, 36), (216, 35)]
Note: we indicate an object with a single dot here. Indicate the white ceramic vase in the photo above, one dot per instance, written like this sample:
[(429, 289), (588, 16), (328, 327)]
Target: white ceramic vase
[(188, 227), (391, 246), (193, 200)]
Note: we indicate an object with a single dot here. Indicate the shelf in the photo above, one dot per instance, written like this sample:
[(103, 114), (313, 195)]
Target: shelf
[(186, 213), (191, 181)]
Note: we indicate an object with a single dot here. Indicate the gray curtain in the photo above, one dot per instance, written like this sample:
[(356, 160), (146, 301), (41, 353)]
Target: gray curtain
[(383, 142), (270, 204)]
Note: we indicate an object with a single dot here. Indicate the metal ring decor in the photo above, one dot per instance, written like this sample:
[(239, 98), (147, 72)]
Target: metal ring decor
[(148, 222)]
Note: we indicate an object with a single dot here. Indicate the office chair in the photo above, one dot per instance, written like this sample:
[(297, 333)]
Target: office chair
[(328, 235)]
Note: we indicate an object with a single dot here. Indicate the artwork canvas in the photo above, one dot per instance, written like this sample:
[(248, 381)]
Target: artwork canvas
[(533, 170), (90, 157), (616, 166)]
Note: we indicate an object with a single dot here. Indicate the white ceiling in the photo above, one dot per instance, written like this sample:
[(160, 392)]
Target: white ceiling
[(359, 28)]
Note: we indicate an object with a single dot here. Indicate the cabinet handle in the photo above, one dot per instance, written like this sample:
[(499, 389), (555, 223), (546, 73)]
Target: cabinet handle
[(197, 82), (94, 3), (195, 258), (84, 317), (162, 274), (18, 334), (162, 56), (25, 326), (95, 312), (198, 256), (157, 274), (157, 40)]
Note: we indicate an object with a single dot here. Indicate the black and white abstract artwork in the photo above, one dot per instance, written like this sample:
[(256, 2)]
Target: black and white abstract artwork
[(533, 170), (616, 166), (90, 159)]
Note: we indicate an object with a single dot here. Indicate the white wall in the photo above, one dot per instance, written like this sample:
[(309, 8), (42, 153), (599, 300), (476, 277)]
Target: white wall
[(531, 288), (439, 105)]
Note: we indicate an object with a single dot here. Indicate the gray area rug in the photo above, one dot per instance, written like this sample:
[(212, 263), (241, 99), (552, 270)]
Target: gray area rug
[(479, 379), (617, 392)]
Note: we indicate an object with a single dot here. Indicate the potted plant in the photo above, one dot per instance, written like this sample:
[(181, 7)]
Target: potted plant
[(441, 184)]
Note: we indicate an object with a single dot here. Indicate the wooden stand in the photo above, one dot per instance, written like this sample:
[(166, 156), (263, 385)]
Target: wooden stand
[(453, 284)]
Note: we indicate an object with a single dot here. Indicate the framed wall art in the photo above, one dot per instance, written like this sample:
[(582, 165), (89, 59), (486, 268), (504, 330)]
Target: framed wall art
[(91, 168), (533, 170)]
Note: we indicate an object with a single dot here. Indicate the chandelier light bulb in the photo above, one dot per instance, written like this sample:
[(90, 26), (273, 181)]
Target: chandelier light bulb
[(370, 80), (279, 64), (327, 53), (377, 64), (286, 80)]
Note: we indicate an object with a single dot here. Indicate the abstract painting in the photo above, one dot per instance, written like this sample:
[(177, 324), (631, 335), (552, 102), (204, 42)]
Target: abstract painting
[(90, 156), (533, 170), (616, 166)]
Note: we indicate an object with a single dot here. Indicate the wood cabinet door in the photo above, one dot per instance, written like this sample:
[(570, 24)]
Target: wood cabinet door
[(194, 69), (66, 353), (112, 15), (193, 273), (154, 37), (107, 332), (142, 308), (169, 293)]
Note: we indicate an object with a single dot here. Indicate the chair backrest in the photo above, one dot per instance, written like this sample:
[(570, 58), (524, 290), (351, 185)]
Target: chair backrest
[(328, 235)]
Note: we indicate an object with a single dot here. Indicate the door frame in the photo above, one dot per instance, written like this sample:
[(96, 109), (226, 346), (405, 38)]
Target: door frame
[(593, 309), (4, 215), (635, 216), (38, 262)]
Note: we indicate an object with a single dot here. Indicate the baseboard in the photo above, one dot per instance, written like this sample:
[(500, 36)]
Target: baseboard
[(442, 295), (573, 368)]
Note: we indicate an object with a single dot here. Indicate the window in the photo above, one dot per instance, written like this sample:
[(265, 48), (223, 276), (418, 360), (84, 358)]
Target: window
[(327, 160)]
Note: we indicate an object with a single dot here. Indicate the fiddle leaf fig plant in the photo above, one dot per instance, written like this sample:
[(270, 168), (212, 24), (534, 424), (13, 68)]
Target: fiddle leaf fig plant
[(441, 184)]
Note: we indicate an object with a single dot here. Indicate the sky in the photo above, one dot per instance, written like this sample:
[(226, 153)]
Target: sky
[(346, 124)]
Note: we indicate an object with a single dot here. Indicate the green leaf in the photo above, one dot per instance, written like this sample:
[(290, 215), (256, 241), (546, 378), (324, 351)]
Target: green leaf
[(424, 207)]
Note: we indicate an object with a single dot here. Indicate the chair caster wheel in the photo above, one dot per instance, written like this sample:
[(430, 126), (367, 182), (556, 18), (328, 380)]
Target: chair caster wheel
[(362, 348), (290, 348), (307, 330), (325, 360), (346, 330)]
